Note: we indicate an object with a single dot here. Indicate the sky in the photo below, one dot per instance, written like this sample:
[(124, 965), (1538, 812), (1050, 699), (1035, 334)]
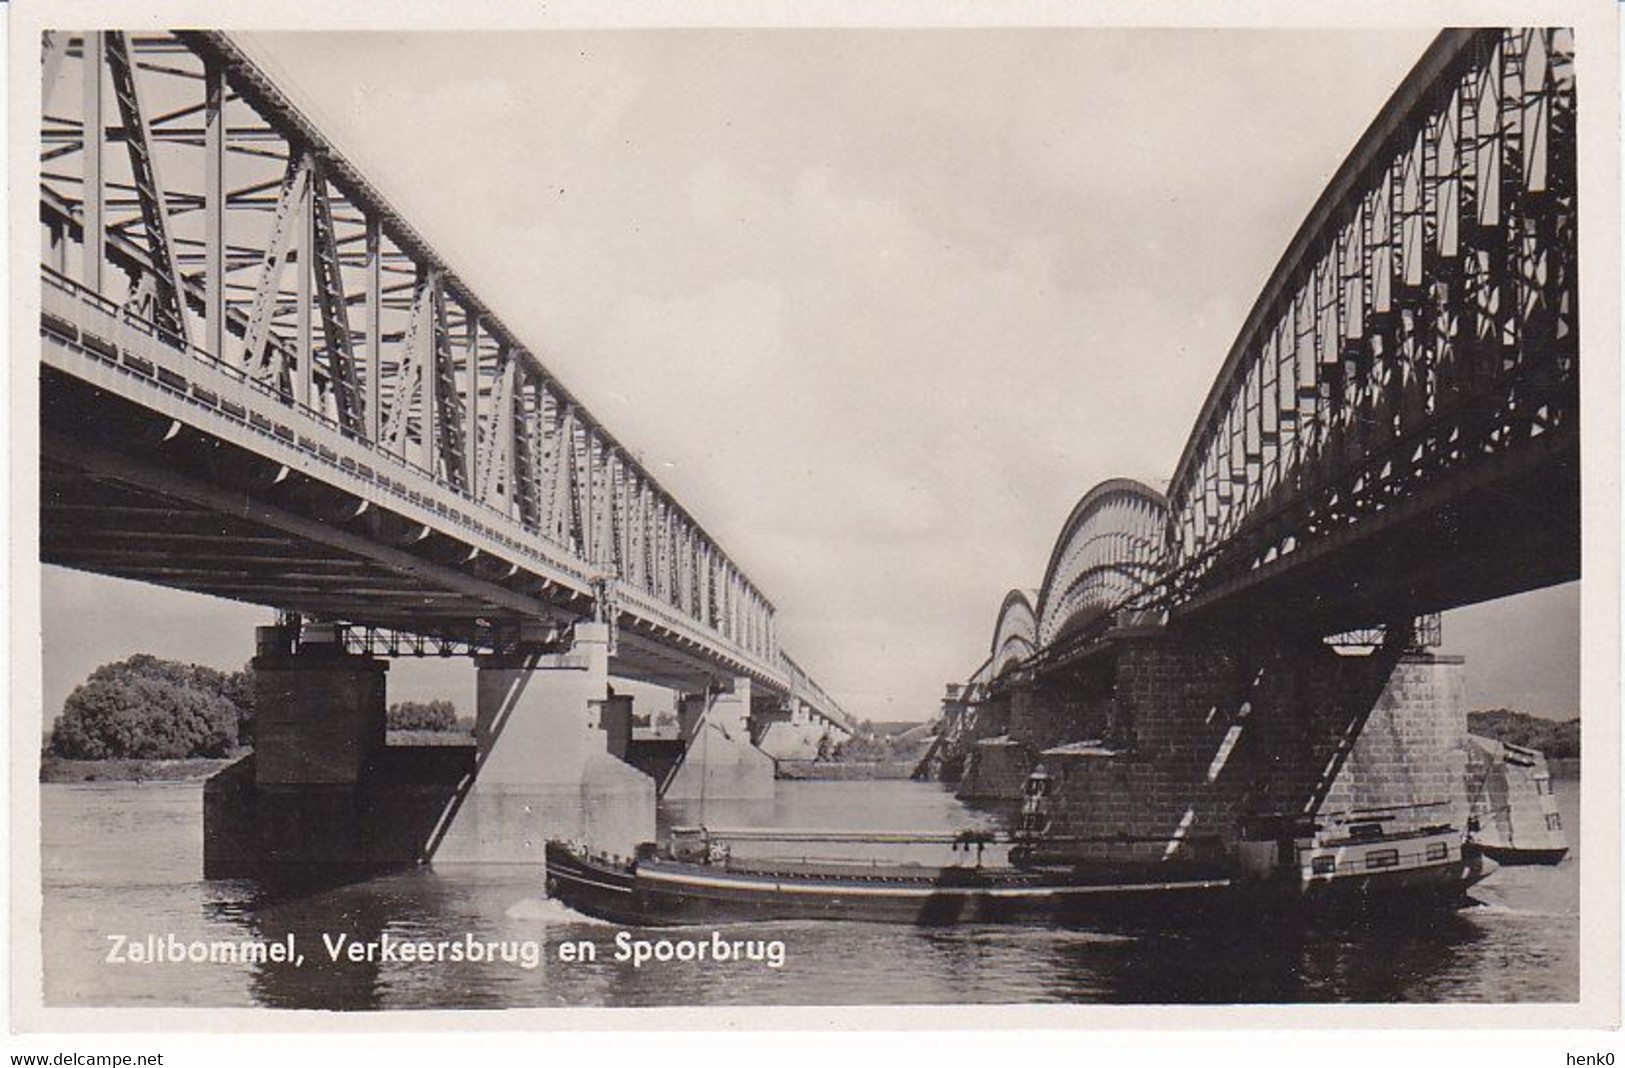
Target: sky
[(878, 306)]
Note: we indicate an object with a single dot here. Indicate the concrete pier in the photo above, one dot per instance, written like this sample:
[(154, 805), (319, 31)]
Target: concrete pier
[(323, 794), (790, 730), (721, 763), (544, 768), (319, 716), (301, 801)]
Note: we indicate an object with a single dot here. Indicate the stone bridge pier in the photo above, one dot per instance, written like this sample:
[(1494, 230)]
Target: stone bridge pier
[(789, 729), (323, 794), (1004, 741), (1180, 737)]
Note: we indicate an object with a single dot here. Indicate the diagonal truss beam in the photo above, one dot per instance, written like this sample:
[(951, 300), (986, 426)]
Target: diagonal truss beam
[(259, 347), (340, 349), (169, 311), (409, 376)]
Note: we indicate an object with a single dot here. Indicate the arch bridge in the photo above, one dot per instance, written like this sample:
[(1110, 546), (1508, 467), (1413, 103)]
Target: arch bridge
[(1395, 430)]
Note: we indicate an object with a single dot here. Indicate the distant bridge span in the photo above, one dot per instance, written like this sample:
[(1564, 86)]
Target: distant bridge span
[(259, 382)]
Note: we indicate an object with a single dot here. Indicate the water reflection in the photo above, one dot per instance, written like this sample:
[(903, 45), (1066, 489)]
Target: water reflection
[(126, 859), (1272, 963)]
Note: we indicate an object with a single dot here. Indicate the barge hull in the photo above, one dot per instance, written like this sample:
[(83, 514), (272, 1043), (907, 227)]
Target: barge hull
[(667, 893), (1511, 855)]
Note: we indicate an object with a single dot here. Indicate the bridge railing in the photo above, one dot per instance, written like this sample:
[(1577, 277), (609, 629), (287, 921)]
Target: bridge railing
[(803, 685), (1424, 315), (231, 230), (124, 340)]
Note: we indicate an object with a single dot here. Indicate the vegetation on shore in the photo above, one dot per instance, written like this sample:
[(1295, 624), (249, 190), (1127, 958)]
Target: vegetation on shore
[(145, 718), (1558, 739), (437, 717), (144, 708)]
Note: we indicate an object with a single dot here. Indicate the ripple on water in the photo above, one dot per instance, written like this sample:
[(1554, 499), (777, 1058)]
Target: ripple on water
[(129, 859), (550, 912)]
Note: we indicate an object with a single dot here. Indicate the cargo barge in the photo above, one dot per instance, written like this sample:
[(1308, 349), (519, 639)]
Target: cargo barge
[(1351, 867)]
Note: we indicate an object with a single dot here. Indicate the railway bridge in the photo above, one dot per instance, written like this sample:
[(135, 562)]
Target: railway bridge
[(258, 381), (1393, 433)]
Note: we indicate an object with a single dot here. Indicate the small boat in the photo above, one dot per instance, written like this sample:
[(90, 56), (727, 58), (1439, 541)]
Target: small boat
[(1512, 856), (696, 878), (1514, 818)]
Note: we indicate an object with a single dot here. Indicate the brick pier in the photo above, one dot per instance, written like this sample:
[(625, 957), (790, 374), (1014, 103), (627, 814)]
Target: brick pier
[(1164, 734)]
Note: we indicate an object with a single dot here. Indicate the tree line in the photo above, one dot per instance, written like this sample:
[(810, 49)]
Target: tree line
[(1555, 738), (144, 707), (147, 708)]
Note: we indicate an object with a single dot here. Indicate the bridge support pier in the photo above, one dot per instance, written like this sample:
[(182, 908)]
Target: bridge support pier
[(544, 768), (300, 802), (1012, 729), (790, 731), (1000, 759), (1194, 734), (721, 764), (995, 769), (323, 795), (319, 717)]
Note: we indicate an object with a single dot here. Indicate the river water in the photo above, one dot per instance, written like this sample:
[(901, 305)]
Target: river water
[(124, 859)]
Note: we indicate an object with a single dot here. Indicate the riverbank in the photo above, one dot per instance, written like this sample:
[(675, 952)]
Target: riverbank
[(58, 770), (194, 769), (830, 770)]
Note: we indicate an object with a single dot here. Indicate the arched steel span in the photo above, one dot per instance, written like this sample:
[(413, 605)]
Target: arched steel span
[(1408, 377), (1111, 548), (1015, 633)]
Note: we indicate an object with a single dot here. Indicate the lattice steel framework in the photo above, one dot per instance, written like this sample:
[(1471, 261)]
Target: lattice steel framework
[(186, 203), (1015, 634), (1109, 552), (1423, 321), (1424, 632)]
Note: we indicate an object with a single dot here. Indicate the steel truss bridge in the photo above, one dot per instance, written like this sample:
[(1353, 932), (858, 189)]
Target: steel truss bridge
[(258, 381), (1395, 430)]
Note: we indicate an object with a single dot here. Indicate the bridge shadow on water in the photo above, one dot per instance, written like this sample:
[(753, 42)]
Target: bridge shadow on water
[(326, 916), (1521, 946), (1393, 958), (1268, 963)]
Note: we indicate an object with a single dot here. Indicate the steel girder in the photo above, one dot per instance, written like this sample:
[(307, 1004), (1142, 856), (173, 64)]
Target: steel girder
[(234, 222), (1413, 360), (159, 289), (1110, 551), (1015, 633), (1423, 323)]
